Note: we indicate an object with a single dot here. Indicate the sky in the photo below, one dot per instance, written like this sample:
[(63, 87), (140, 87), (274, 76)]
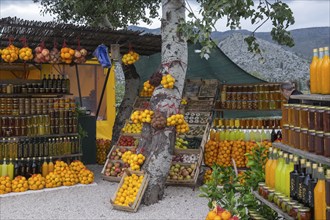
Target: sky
[(307, 13)]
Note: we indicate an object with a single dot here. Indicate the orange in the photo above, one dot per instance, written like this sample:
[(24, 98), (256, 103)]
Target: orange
[(211, 215), (226, 215), (217, 218)]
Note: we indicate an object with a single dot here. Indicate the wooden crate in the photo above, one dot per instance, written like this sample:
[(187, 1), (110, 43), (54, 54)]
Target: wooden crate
[(133, 136), (196, 130), (196, 117), (190, 151), (110, 178), (199, 105), (129, 134), (191, 182), (132, 207)]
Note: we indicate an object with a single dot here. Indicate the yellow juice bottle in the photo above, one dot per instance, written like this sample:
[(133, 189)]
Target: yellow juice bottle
[(319, 196), (288, 170), (318, 71), (273, 169), (312, 71), (282, 173), (4, 168), (267, 166), (50, 165), (325, 73), (10, 169), (278, 171), (44, 168)]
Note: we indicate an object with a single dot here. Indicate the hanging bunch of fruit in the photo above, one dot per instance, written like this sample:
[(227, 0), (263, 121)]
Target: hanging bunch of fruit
[(130, 58), (102, 148), (80, 54), (168, 81), (10, 53), (5, 185), (134, 160), (224, 153), (147, 90), (67, 53), (158, 121), (238, 153), (36, 182), (55, 55), (25, 53), (211, 152), (142, 116), (41, 53), (19, 184), (178, 121)]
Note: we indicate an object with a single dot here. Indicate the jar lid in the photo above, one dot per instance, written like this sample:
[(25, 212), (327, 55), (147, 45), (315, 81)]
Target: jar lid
[(266, 187), (261, 184), (304, 209), (297, 128), (319, 132), (292, 203), (296, 206), (311, 131), (327, 134), (282, 196), (271, 190), (286, 199), (286, 125), (304, 129)]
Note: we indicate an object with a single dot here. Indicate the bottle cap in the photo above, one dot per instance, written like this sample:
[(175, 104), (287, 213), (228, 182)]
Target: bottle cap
[(321, 49), (320, 170), (308, 164), (285, 155), (295, 159), (314, 166), (328, 174), (326, 48), (291, 156), (302, 161), (315, 50)]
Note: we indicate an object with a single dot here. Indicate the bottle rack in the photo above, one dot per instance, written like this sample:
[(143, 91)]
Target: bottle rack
[(50, 114)]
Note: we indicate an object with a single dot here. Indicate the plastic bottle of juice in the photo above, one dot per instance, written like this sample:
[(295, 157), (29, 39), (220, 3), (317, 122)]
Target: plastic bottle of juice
[(267, 166), (283, 171), (312, 71), (232, 135), (10, 169), (4, 168), (222, 134), (288, 170), (319, 196), (50, 165), (273, 169), (278, 177), (257, 135), (268, 135), (227, 134), (44, 168), (325, 73), (252, 135), (318, 71), (0, 169), (247, 135)]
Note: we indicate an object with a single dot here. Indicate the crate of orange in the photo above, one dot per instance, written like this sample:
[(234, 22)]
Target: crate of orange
[(130, 191)]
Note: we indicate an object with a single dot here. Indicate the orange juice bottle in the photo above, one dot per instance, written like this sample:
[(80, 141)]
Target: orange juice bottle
[(267, 166), (272, 170), (50, 165), (312, 71), (318, 71), (319, 196), (44, 168), (325, 72)]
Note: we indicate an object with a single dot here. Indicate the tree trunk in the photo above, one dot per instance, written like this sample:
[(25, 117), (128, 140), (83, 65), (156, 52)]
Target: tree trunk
[(132, 81), (174, 61)]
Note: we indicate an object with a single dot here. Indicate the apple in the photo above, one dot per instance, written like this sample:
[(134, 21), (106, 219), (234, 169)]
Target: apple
[(117, 169), (114, 153), (113, 173), (123, 150), (109, 165), (117, 157), (112, 157), (126, 165), (107, 173), (119, 154), (117, 164)]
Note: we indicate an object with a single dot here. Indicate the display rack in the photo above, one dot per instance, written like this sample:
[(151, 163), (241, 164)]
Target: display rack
[(312, 97), (272, 206), (310, 156)]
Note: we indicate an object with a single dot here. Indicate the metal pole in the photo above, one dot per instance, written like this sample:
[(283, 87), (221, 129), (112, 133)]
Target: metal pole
[(78, 82), (102, 94)]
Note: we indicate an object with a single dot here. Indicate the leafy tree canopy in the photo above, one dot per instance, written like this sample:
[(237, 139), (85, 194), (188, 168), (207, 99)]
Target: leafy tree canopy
[(120, 13)]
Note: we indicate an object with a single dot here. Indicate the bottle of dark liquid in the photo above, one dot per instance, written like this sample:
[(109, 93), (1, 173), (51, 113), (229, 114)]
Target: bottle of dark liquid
[(58, 84), (67, 83), (44, 82), (25, 148), (46, 147), (22, 168), (53, 88), (39, 165), (35, 147), (33, 166), (31, 148), (279, 134), (16, 168), (28, 168), (300, 180), (63, 84), (273, 135), (49, 84), (293, 179), (40, 144), (20, 149), (311, 185), (307, 178)]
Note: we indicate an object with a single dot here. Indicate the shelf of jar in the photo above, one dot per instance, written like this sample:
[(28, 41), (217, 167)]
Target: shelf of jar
[(312, 97), (34, 95), (40, 136), (53, 157), (307, 155), (272, 206)]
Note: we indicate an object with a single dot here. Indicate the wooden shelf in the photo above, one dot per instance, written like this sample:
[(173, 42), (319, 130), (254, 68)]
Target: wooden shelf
[(53, 157), (307, 155), (34, 95), (272, 206), (41, 136), (312, 97)]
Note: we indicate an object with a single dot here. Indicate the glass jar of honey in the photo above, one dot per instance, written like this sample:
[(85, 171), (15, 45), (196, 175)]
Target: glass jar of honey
[(319, 111), (326, 120), (285, 134), (319, 143), (303, 139), (261, 185), (311, 141), (304, 214), (296, 142), (327, 144), (291, 136), (296, 110), (303, 116), (311, 118)]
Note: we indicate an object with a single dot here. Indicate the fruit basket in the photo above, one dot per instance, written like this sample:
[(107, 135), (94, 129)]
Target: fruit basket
[(113, 170), (193, 117), (133, 206), (141, 103), (184, 154), (127, 141), (131, 129), (183, 142), (184, 174)]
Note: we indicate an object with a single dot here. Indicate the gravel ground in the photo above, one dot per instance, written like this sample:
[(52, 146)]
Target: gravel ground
[(93, 202)]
